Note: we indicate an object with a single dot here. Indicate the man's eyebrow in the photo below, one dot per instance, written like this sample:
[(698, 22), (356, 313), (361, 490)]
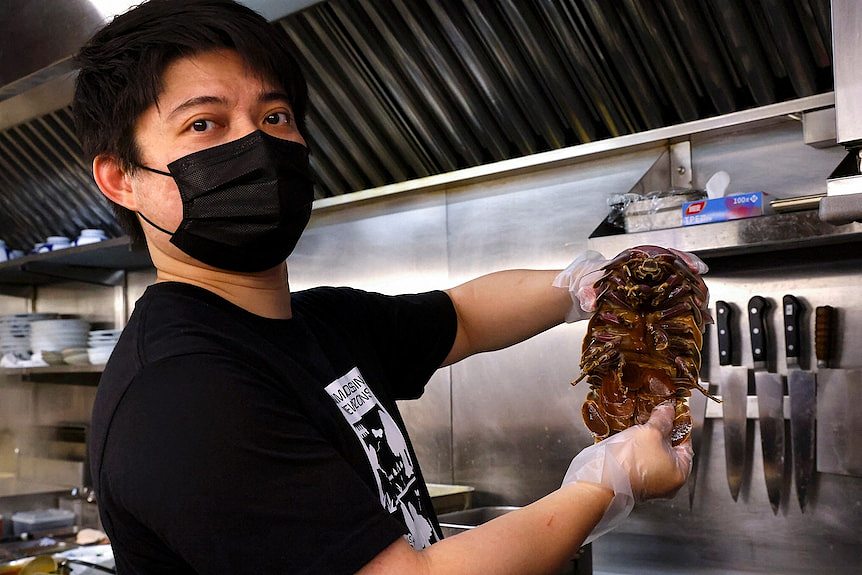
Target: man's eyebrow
[(197, 101), (274, 96)]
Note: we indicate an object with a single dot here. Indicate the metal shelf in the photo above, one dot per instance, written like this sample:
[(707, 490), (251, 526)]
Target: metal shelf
[(103, 263), (61, 374), (751, 235)]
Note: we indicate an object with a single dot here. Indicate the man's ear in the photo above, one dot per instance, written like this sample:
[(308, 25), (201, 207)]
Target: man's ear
[(114, 181)]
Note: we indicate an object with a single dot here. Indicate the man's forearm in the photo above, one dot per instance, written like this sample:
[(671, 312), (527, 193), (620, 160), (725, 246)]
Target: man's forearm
[(537, 539), (504, 308)]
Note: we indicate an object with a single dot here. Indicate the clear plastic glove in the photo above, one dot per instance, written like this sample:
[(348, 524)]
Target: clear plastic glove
[(637, 464), (579, 278), (693, 262), (582, 274)]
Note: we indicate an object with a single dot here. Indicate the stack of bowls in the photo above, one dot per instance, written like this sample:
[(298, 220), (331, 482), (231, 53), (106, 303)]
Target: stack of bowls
[(101, 343), (56, 335), (15, 333)]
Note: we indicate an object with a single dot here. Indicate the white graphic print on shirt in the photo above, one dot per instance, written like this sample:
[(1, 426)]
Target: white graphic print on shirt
[(387, 453)]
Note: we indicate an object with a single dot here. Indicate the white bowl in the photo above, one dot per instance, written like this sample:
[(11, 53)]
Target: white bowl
[(77, 359), (106, 345), (93, 233), (57, 243), (83, 241), (74, 351), (98, 356)]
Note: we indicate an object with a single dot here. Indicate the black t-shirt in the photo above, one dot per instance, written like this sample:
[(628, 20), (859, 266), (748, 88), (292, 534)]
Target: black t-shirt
[(224, 442)]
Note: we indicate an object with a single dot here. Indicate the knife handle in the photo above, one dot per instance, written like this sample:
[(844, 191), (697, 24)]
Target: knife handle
[(725, 339), (824, 317), (757, 307), (792, 336)]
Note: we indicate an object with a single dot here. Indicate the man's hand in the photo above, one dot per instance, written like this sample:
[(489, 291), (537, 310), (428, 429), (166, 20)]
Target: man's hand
[(578, 278), (637, 464)]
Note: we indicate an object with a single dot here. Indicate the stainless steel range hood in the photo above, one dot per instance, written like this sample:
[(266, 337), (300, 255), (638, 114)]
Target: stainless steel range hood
[(843, 203), (404, 89), (39, 37)]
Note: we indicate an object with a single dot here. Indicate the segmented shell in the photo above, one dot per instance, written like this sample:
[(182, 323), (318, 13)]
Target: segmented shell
[(643, 342)]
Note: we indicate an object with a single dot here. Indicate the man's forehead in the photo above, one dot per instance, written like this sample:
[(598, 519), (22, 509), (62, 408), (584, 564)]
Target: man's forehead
[(214, 76)]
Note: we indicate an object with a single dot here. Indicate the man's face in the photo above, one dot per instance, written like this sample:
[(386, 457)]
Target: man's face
[(208, 99)]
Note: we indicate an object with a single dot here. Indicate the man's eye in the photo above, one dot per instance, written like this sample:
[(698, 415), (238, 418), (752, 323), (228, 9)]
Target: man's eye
[(277, 118), (201, 125)]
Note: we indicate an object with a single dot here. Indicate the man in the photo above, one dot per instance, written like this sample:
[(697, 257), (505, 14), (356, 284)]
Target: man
[(241, 428)]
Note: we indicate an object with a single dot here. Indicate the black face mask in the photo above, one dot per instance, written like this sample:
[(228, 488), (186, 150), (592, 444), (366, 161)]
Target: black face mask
[(245, 203)]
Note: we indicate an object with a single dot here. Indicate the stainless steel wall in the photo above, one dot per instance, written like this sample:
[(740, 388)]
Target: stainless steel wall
[(515, 421)]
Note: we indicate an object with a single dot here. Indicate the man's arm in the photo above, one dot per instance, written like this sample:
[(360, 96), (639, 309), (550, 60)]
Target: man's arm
[(640, 463), (504, 308), (539, 538)]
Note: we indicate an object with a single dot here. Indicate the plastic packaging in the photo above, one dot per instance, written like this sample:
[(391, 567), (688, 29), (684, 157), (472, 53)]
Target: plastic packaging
[(652, 211)]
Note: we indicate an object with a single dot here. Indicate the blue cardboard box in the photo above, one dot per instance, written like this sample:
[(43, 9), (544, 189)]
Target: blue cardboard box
[(733, 207)]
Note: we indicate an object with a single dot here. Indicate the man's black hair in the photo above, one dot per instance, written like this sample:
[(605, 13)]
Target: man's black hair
[(122, 65)]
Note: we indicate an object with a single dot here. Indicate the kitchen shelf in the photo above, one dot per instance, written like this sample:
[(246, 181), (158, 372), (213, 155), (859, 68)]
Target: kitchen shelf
[(769, 233), (103, 263), (62, 374)]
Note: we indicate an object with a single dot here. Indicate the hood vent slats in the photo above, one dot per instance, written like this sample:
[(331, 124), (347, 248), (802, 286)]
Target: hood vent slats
[(402, 89)]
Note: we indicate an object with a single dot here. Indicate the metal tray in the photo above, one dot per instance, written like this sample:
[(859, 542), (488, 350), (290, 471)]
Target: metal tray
[(458, 521), (448, 498)]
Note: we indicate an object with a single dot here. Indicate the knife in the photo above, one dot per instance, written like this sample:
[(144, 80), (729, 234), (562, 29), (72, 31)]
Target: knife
[(734, 396), (770, 402), (697, 411), (803, 403), (839, 392)]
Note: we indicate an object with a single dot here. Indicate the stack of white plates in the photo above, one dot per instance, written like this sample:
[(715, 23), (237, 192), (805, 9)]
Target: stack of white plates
[(101, 343), (58, 334), (15, 333)]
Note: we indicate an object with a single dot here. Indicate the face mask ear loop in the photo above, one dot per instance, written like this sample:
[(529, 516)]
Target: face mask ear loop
[(145, 218), (158, 227), (155, 171)]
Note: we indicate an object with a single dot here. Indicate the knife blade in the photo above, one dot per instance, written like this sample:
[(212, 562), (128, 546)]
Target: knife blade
[(697, 411), (770, 402), (734, 393), (839, 392), (802, 388)]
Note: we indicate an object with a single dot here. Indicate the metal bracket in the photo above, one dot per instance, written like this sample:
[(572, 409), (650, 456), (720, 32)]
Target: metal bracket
[(818, 128), (843, 202), (671, 170), (680, 165)]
